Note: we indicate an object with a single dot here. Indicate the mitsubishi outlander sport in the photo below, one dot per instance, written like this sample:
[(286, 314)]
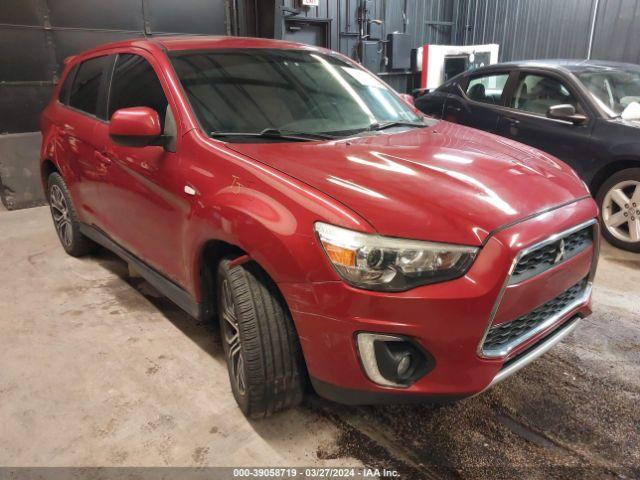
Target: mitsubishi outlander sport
[(338, 236)]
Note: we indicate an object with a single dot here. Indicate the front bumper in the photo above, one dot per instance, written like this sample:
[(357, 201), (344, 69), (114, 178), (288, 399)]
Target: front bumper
[(449, 320)]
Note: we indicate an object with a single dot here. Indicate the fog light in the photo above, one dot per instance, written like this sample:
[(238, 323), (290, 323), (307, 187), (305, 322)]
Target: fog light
[(403, 365), (391, 360)]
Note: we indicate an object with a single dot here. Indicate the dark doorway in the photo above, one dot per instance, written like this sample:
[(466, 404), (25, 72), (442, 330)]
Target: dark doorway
[(306, 30)]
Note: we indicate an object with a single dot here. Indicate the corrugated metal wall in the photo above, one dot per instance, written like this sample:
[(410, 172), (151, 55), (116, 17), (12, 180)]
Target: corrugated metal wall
[(425, 21), (527, 29), (531, 29), (617, 32), (50, 30), (407, 16)]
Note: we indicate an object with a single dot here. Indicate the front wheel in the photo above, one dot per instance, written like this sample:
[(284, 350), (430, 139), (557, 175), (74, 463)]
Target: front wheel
[(260, 342), (619, 202)]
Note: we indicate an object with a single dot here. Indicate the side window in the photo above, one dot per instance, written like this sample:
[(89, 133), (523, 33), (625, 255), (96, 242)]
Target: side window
[(487, 88), (135, 84), (536, 93), (86, 86), (63, 96)]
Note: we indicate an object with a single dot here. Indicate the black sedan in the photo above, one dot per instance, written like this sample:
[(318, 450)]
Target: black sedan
[(586, 113)]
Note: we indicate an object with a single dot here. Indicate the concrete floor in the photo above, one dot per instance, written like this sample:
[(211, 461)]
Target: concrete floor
[(97, 369)]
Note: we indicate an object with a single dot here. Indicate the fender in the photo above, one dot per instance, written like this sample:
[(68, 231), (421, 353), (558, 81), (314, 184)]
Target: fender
[(263, 212)]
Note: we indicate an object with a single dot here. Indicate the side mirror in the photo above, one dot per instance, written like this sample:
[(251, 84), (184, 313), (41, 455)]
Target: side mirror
[(566, 112), (135, 127), (407, 98)]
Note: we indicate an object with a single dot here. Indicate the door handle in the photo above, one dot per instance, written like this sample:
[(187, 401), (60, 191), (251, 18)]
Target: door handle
[(512, 121), (101, 157), (455, 109)]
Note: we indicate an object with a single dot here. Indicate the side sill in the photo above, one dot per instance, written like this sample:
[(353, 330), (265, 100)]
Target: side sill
[(169, 289)]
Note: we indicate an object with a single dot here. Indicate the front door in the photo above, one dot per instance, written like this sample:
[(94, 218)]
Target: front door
[(525, 119), (147, 207)]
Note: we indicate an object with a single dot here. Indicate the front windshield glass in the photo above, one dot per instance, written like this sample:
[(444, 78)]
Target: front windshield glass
[(250, 90), (613, 88)]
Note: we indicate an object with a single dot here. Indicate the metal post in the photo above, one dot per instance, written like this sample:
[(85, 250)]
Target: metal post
[(593, 28)]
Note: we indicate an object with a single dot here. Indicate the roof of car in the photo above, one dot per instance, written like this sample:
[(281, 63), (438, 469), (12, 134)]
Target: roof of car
[(201, 42), (572, 65)]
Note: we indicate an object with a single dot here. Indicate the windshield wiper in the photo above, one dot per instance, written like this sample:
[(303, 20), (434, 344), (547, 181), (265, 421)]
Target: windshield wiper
[(276, 134), (376, 127)]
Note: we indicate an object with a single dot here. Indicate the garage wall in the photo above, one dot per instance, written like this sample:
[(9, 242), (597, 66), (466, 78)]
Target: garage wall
[(35, 38), (617, 32), (425, 21), (531, 29), (37, 35)]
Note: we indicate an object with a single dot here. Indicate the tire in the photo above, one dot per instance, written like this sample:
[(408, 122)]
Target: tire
[(65, 218), (619, 201), (261, 345)]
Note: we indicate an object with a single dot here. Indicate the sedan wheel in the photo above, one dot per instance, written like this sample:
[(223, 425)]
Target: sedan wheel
[(621, 211), (619, 202)]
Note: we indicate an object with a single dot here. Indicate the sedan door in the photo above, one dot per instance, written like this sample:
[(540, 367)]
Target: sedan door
[(478, 103), (525, 119)]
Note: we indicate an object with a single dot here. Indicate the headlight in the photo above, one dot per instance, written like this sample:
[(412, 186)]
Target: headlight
[(391, 264)]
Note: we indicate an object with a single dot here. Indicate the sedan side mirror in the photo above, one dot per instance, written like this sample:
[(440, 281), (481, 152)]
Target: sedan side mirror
[(566, 112), (408, 99), (135, 127)]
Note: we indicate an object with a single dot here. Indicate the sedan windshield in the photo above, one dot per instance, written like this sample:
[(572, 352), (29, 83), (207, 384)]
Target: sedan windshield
[(614, 89), (271, 93)]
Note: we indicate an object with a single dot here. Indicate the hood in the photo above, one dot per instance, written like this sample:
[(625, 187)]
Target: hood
[(444, 183), (625, 123)]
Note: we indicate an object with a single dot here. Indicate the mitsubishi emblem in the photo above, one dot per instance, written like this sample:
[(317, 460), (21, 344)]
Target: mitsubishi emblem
[(560, 252)]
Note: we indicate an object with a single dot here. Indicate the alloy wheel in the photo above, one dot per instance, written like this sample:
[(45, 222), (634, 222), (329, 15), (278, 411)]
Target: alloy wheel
[(231, 335), (621, 211), (60, 213)]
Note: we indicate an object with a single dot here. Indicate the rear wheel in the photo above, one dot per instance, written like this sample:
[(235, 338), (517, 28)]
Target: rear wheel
[(260, 343), (65, 219), (619, 202)]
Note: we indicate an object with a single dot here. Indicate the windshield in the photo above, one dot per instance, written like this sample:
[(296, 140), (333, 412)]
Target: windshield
[(253, 90), (613, 88)]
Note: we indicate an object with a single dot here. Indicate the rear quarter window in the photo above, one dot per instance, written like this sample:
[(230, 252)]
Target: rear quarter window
[(450, 87), (86, 85), (63, 96)]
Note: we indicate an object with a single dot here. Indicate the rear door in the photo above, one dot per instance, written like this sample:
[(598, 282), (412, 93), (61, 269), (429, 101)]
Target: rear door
[(84, 111), (525, 118), (146, 202), (479, 102)]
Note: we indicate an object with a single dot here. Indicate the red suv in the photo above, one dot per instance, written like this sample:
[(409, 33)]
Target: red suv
[(336, 233)]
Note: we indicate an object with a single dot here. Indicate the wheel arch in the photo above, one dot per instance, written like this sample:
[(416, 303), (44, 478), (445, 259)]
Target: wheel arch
[(609, 169), (210, 254), (47, 167)]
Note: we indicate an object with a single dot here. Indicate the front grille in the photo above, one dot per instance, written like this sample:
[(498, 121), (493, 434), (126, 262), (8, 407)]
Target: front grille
[(545, 257), (501, 337)]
